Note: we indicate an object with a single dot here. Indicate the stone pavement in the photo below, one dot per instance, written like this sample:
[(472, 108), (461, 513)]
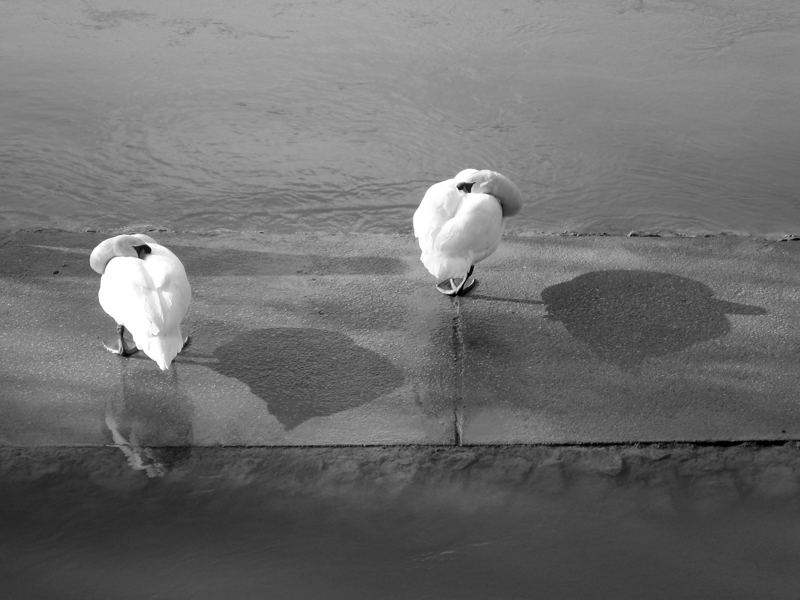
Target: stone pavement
[(308, 339)]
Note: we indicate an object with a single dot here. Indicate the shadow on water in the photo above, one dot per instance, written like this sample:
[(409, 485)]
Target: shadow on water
[(305, 373), (626, 316)]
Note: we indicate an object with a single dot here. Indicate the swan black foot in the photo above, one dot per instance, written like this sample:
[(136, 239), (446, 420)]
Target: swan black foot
[(449, 287), (121, 349)]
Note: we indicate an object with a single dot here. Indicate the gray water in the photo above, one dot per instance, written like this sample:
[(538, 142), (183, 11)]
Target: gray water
[(611, 115), (405, 523)]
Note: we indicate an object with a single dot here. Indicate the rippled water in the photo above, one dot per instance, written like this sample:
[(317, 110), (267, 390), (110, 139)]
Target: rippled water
[(610, 115)]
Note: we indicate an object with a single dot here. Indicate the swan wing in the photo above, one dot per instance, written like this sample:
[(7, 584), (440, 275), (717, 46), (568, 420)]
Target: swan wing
[(128, 295), (439, 204), (474, 233), (147, 297), (171, 286)]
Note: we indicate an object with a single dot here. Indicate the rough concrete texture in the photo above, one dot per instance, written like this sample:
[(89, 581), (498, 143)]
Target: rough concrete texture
[(600, 339), (294, 340), (316, 339), (684, 477)]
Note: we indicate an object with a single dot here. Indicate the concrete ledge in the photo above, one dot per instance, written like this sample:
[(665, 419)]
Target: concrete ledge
[(341, 339), (683, 476)]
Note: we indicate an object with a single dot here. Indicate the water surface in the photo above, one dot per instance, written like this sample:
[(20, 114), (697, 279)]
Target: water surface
[(611, 115), (439, 523)]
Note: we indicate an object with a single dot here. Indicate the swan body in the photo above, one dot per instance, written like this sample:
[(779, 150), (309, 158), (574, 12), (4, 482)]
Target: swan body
[(144, 288), (460, 222)]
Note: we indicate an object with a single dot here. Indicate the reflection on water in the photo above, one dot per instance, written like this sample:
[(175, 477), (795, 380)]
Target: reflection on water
[(610, 115)]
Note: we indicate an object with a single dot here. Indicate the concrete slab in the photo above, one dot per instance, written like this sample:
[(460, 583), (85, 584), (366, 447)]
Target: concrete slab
[(310, 339), (295, 340), (599, 339)]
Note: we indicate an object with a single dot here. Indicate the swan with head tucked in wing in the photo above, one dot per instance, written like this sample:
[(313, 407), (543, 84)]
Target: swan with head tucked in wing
[(144, 288), (459, 223)]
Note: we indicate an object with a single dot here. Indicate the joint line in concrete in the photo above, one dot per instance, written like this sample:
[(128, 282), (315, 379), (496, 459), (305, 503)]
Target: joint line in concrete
[(460, 369)]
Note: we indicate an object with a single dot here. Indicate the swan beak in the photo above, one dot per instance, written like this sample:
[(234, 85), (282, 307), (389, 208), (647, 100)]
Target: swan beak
[(142, 251)]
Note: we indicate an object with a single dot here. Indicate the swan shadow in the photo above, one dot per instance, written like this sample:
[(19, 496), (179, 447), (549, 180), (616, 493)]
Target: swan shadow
[(627, 316), (302, 373)]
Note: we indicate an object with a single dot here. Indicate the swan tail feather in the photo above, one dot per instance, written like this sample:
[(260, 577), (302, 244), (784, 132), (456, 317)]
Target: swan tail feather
[(162, 348)]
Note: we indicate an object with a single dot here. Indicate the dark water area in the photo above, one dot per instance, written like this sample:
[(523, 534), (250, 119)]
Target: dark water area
[(572, 523), (610, 116)]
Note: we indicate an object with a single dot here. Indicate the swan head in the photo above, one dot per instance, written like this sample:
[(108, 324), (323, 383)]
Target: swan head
[(135, 245), (494, 184)]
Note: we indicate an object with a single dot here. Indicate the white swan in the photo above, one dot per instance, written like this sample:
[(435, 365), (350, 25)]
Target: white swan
[(459, 223), (144, 288)]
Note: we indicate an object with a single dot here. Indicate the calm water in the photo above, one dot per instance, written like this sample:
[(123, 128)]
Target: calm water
[(439, 524), (610, 115)]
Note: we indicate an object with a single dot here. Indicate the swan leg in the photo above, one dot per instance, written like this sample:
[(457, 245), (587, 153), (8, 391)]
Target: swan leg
[(466, 284), (121, 349), (446, 287)]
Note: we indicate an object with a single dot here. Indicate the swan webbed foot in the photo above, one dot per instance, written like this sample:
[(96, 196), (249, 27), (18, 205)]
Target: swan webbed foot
[(468, 286), (449, 287), (120, 348), (121, 351)]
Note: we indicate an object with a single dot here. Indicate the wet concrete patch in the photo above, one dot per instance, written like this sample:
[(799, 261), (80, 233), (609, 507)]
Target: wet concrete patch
[(210, 262), (151, 409), (47, 253), (54, 252)]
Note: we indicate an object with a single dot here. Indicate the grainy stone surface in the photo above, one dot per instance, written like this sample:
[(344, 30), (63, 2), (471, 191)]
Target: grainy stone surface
[(601, 339), (295, 340), (341, 339)]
